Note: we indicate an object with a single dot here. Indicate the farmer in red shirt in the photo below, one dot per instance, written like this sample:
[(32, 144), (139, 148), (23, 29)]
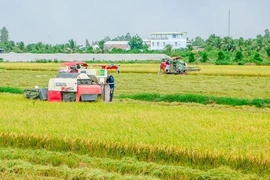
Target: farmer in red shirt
[(162, 66)]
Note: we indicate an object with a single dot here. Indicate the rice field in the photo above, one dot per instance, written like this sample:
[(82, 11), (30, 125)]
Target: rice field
[(154, 68), (131, 139)]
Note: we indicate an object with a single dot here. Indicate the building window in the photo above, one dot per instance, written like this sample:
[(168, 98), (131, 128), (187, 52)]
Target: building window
[(164, 44), (157, 43), (174, 36), (153, 43), (175, 44)]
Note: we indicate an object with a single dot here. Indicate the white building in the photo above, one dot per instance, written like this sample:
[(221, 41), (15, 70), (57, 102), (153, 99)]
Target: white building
[(160, 39), (147, 42)]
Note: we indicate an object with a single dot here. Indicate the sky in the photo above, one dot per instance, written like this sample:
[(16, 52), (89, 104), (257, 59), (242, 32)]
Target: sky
[(57, 21)]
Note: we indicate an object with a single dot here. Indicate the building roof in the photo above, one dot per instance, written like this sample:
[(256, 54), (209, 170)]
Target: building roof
[(28, 57), (116, 42), (146, 40), (167, 33)]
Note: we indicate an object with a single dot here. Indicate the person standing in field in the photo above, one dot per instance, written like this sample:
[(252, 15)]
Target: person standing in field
[(162, 66), (110, 81), (118, 69)]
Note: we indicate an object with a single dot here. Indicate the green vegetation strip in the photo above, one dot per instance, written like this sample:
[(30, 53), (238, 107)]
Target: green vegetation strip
[(192, 98), (11, 90), (102, 149), (75, 166)]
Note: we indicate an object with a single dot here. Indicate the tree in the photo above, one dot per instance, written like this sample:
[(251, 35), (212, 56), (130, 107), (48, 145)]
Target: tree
[(227, 44), (213, 42), (221, 58), (127, 37), (268, 51), (59, 48), (204, 57), (198, 42), (191, 57), (136, 43), (266, 34), (257, 58), (238, 56), (101, 45), (4, 35), (71, 46), (168, 48), (89, 49), (107, 38), (257, 44), (87, 43), (21, 46), (39, 47), (190, 47)]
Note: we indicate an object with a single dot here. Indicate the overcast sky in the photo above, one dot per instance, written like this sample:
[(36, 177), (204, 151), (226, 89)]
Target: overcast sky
[(57, 21)]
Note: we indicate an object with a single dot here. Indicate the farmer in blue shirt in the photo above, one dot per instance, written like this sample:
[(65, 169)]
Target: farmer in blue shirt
[(110, 81)]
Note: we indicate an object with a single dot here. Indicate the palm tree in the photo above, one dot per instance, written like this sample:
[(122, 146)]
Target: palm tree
[(227, 44), (101, 45), (71, 46), (21, 46)]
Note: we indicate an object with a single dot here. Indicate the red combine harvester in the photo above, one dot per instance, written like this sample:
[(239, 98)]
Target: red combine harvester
[(73, 87), (75, 82)]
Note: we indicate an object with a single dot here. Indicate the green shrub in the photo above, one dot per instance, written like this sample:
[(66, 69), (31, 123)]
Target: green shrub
[(241, 62), (11, 90), (204, 57), (238, 56), (191, 57), (192, 98), (268, 51), (256, 58)]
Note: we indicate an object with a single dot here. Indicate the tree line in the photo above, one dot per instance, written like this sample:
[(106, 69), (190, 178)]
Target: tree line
[(214, 49)]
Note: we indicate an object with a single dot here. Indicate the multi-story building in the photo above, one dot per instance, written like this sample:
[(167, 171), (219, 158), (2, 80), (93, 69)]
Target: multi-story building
[(159, 40)]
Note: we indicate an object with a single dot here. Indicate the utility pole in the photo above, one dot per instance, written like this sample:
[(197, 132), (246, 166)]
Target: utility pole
[(229, 24)]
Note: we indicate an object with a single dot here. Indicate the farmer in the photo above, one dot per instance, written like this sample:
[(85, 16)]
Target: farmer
[(110, 81), (168, 65), (118, 69), (162, 66)]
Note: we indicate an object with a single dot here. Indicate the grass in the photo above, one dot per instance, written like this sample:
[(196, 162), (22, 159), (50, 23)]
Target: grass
[(134, 139), (200, 137), (223, 70), (132, 83), (199, 99), (11, 90), (52, 164)]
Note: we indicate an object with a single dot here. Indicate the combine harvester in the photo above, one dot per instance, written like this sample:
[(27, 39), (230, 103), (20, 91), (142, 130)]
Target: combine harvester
[(75, 82), (176, 66)]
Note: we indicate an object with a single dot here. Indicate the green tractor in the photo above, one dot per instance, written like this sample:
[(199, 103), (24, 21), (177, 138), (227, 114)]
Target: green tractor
[(178, 66)]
